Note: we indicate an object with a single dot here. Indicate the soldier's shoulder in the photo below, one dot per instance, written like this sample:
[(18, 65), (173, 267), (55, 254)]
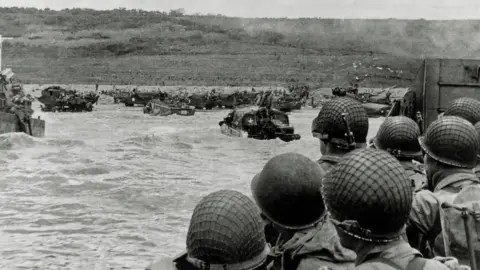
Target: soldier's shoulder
[(164, 264), (312, 263), (371, 266)]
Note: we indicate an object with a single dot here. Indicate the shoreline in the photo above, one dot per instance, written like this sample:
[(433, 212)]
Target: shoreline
[(36, 88)]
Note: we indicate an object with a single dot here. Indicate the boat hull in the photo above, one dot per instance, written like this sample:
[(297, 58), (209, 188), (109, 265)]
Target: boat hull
[(376, 110), (10, 123), (164, 110), (233, 132), (288, 106)]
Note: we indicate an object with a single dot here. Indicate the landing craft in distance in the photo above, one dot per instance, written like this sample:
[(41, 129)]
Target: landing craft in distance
[(250, 122), (16, 109)]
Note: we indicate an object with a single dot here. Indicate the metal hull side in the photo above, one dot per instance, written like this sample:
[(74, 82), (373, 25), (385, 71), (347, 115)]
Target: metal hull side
[(442, 81), (375, 109), (9, 123), (288, 106), (231, 132), (164, 110)]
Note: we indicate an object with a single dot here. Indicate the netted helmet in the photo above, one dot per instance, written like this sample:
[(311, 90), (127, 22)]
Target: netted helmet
[(330, 126), (453, 141), (399, 136), (477, 128), (369, 195), (466, 108), (287, 191), (226, 230)]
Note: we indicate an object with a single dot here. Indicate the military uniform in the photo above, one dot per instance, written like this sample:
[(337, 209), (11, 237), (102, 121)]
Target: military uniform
[(287, 191), (453, 142), (399, 136), (327, 162), (369, 198), (225, 232), (343, 123), (476, 170)]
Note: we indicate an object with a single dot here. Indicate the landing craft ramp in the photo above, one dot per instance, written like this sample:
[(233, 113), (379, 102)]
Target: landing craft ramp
[(437, 83)]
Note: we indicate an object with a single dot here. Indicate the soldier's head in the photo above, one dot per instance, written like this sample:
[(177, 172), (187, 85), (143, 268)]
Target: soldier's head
[(330, 126), (449, 142), (226, 232), (287, 190), (477, 129), (399, 136), (368, 197), (466, 108)]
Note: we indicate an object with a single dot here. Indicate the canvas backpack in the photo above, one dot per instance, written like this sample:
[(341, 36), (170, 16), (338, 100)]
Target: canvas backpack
[(461, 226)]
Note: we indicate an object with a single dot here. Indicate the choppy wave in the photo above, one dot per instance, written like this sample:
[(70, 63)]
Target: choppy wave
[(114, 189)]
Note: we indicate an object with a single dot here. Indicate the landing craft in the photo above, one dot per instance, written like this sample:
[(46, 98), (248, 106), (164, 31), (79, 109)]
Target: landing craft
[(247, 122), (375, 107), (142, 98), (287, 103), (58, 99), (156, 107), (16, 117), (437, 83)]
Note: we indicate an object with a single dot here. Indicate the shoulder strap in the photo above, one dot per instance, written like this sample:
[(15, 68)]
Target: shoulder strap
[(418, 263), (387, 262)]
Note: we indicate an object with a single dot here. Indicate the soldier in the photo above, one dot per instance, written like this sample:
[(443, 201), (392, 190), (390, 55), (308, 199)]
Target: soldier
[(287, 191), (259, 98), (466, 108), (265, 104), (477, 169), (341, 126), (225, 232), (369, 197), (451, 145), (399, 136)]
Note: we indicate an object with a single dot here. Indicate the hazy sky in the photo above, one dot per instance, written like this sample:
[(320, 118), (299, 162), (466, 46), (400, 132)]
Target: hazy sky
[(410, 9)]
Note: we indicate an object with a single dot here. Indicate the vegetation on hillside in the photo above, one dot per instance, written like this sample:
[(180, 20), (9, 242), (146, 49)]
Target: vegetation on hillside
[(140, 47)]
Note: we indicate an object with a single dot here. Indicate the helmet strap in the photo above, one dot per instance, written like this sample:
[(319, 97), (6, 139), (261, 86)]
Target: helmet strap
[(250, 264), (354, 229)]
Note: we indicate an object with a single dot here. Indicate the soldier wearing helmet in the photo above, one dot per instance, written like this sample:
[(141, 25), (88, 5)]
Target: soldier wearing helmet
[(341, 126), (399, 136), (265, 103), (287, 191), (451, 145), (225, 232), (466, 108), (369, 197), (477, 168)]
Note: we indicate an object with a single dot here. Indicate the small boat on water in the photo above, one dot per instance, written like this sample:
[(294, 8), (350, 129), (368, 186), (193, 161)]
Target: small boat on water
[(58, 99), (17, 117), (141, 98), (288, 105), (248, 122), (157, 107)]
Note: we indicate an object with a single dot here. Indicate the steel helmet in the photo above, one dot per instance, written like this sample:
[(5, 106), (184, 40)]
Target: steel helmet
[(477, 128), (287, 191), (329, 125), (399, 136), (226, 230), (453, 141), (369, 195), (466, 108)]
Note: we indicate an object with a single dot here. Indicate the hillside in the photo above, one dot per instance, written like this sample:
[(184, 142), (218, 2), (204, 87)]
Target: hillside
[(155, 48)]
